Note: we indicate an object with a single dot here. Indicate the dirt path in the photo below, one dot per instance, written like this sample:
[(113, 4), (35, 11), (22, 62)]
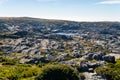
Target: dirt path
[(92, 76)]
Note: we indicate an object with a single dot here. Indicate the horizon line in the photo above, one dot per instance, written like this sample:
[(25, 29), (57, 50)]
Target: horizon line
[(60, 19)]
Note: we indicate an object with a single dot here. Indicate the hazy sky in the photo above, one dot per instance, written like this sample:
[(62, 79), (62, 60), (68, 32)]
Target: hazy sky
[(78, 10)]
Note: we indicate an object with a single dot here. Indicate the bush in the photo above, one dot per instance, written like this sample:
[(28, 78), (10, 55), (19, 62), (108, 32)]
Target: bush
[(7, 61), (18, 72), (30, 72), (81, 76), (57, 72), (41, 65), (111, 71)]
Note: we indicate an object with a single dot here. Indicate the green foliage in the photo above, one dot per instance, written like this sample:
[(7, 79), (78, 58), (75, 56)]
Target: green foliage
[(7, 61), (29, 72), (18, 72), (68, 57), (41, 65), (81, 76), (43, 53), (1, 53), (111, 71), (57, 72), (98, 48)]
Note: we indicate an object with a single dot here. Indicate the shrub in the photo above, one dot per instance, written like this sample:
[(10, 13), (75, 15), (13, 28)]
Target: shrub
[(111, 71), (7, 61), (41, 65), (81, 76), (30, 72), (57, 72), (18, 72)]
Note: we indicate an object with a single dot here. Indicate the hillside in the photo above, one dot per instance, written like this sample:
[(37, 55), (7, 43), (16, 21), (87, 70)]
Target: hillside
[(34, 42), (26, 23)]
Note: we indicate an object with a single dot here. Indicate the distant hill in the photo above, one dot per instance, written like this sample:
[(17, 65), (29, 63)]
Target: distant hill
[(13, 24)]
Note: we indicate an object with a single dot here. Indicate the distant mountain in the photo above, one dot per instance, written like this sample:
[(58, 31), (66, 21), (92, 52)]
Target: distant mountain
[(15, 24)]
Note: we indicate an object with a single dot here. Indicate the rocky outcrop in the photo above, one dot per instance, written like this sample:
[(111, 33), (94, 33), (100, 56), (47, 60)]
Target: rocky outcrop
[(109, 58), (84, 66), (37, 60), (7, 49), (89, 56), (93, 76), (87, 66), (77, 55), (100, 57)]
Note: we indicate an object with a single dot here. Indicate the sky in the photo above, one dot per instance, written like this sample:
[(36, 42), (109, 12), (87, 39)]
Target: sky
[(75, 10)]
